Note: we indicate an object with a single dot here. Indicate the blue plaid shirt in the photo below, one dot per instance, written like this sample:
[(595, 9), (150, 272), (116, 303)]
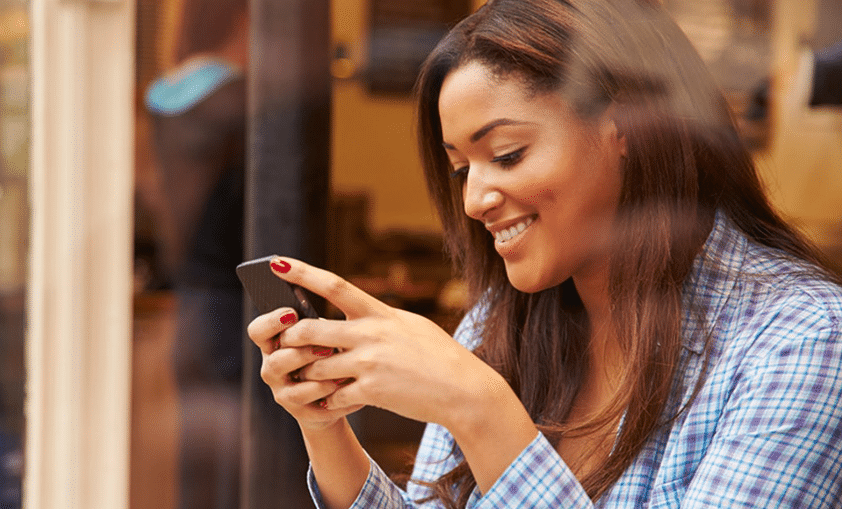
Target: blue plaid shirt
[(765, 430)]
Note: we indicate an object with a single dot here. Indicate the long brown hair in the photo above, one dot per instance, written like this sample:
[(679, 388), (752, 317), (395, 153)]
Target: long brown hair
[(685, 161)]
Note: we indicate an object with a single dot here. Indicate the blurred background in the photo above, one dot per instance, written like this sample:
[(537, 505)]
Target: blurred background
[(201, 134)]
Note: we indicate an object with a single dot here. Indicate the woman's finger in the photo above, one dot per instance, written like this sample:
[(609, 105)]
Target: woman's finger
[(285, 365), (279, 366), (319, 414), (334, 334), (344, 398), (348, 298), (337, 368), (301, 397), (304, 393), (264, 329)]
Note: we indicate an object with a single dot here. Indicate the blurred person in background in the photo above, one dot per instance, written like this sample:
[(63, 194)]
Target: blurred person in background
[(198, 112)]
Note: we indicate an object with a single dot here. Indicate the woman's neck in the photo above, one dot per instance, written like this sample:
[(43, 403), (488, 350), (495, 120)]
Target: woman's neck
[(592, 288), (606, 365)]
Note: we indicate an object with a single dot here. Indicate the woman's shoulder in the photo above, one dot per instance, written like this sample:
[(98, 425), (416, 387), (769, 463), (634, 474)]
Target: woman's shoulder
[(756, 299), (782, 315), (791, 286), (764, 278)]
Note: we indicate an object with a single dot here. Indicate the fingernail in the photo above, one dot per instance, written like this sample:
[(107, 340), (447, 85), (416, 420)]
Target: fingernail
[(321, 351), (280, 266), (288, 318)]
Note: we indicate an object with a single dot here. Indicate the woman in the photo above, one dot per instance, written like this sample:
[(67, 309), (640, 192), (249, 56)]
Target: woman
[(646, 330)]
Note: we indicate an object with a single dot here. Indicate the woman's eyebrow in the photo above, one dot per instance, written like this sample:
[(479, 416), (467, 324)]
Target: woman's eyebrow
[(487, 128)]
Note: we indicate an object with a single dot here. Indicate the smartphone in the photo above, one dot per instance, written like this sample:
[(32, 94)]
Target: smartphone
[(268, 292)]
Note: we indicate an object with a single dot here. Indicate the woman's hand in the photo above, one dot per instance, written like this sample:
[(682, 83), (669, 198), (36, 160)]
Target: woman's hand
[(391, 359), (302, 398), (385, 357)]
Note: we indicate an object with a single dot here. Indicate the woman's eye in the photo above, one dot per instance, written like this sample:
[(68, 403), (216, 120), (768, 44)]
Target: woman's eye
[(510, 159), (459, 172)]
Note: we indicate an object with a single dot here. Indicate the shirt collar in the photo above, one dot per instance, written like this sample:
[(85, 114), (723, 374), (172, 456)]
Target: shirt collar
[(711, 281)]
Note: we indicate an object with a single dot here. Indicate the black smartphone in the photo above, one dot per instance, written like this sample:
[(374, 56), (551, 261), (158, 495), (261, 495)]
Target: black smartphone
[(268, 292)]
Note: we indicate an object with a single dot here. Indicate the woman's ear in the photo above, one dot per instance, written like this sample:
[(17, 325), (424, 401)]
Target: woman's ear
[(611, 129)]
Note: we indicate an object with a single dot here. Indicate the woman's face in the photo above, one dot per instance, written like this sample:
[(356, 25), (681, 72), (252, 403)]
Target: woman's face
[(545, 184)]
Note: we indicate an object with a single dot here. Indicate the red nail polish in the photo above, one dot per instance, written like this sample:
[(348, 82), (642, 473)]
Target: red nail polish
[(322, 351), (288, 318), (280, 266), (323, 403), (343, 381)]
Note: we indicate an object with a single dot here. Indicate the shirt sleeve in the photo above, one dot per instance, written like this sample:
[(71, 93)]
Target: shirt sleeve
[(378, 492), (538, 478), (778, 442), (436, 456)]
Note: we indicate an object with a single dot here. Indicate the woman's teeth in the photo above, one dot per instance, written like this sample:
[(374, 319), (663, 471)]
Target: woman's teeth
[(510, 233)]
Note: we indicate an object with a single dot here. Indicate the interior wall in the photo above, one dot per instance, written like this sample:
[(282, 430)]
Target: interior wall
[(373, 143), (803, 165), (373, 149)]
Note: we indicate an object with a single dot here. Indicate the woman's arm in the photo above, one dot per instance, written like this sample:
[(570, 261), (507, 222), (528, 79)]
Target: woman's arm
[(491, 427), (338, 461)]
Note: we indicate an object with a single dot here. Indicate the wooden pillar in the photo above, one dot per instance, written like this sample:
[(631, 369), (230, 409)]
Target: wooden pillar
[(79, 289), (287, 188)]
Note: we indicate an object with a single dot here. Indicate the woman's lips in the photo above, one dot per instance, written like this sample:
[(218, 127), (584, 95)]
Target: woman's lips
[(507, 234)]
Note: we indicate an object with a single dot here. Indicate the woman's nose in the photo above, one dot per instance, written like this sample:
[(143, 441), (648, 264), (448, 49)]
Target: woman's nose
[(479, 195)]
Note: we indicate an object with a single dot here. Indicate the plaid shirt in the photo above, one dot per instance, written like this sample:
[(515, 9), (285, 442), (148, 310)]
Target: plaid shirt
[(765, 430)]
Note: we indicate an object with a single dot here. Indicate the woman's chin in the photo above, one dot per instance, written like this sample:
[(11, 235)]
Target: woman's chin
[(526, 283)]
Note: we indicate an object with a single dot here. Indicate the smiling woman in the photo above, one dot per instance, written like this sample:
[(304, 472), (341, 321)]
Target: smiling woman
[(526, 162), (645, 331)]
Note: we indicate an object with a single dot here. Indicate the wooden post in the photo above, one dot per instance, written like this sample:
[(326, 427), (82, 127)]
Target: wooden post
[(287, 189), (79, 290)]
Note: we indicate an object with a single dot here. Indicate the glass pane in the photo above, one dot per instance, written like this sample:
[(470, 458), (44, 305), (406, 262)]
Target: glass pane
[(187, 351), (14, 218)]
